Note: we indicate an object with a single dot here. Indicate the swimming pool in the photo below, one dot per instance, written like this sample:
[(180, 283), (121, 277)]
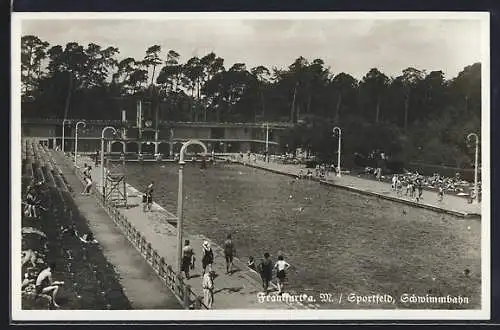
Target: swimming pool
[(337, 241)]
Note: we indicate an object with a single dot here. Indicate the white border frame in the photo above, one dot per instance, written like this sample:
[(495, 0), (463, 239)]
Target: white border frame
[(250, 315)]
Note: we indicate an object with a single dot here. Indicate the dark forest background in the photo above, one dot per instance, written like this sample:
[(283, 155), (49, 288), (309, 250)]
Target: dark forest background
[(418, 116)]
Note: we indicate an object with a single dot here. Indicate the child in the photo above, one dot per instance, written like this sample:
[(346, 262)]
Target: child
[(281, 267)]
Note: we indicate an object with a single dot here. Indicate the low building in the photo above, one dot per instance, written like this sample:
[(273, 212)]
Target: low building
[(167, 139)]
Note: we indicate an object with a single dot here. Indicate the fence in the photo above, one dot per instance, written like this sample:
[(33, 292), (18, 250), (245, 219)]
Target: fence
[(186, 296)]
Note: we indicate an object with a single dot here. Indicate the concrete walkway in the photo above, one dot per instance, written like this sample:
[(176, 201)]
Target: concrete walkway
[(236, 291), (451, 204), (140, 283)]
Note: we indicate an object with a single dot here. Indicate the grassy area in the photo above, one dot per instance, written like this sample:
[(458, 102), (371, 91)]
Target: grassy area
[(90, 281)]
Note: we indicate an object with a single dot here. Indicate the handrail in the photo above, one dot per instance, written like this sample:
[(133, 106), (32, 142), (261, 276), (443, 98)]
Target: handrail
[(183, 292), (162, 122)]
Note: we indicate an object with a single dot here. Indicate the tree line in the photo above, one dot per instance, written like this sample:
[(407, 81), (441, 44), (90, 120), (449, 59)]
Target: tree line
[(416, 116)]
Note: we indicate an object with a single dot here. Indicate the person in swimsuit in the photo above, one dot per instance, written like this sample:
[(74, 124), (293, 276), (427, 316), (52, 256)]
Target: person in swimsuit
[(149, 197), (229, 252), (88, 180), (440, 193), (281, 267), (266, 272), (45, 285), (207, 256), (187, 258)]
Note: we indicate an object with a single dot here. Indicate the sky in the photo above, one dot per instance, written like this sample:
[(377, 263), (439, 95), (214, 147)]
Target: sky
[(353, 46)]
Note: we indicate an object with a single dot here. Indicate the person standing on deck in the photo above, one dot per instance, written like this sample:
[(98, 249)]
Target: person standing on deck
[(229, 252), (281, 267), (440, 194), (420, 189), (208, 289), (149, 197), (266, 272), (187, 258), (207, 258), (394, 179), (88, 180)]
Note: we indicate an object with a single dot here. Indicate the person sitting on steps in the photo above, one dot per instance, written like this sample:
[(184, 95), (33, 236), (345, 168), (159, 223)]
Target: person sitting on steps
[(44, 284)]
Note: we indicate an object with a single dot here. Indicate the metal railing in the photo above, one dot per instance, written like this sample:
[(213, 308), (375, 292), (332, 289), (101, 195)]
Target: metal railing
[(183, 291), (259, 124)]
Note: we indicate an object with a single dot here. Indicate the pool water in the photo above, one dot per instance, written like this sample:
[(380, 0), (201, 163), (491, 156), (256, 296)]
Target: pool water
[(337, 241)]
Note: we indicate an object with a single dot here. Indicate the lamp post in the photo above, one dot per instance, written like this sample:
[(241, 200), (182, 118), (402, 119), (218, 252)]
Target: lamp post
[(476, 192), (267, 142), (76, 136), (336, 128), (102, 156), (63, 125), (180, 197)]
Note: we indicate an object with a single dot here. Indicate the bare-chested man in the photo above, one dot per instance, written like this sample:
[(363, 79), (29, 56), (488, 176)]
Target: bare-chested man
[(45, 285)]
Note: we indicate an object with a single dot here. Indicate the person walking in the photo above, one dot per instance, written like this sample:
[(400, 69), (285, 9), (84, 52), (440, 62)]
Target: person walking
[(207, 258), (208, 289), (266, 272), (229, 252), (187, 258), (281, 267)]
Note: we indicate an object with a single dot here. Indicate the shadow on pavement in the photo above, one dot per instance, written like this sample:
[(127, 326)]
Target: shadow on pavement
[(230, 290)]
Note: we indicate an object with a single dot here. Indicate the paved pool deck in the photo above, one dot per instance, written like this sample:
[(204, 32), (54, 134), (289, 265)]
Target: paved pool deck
[(451, 204), (238, 290)]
